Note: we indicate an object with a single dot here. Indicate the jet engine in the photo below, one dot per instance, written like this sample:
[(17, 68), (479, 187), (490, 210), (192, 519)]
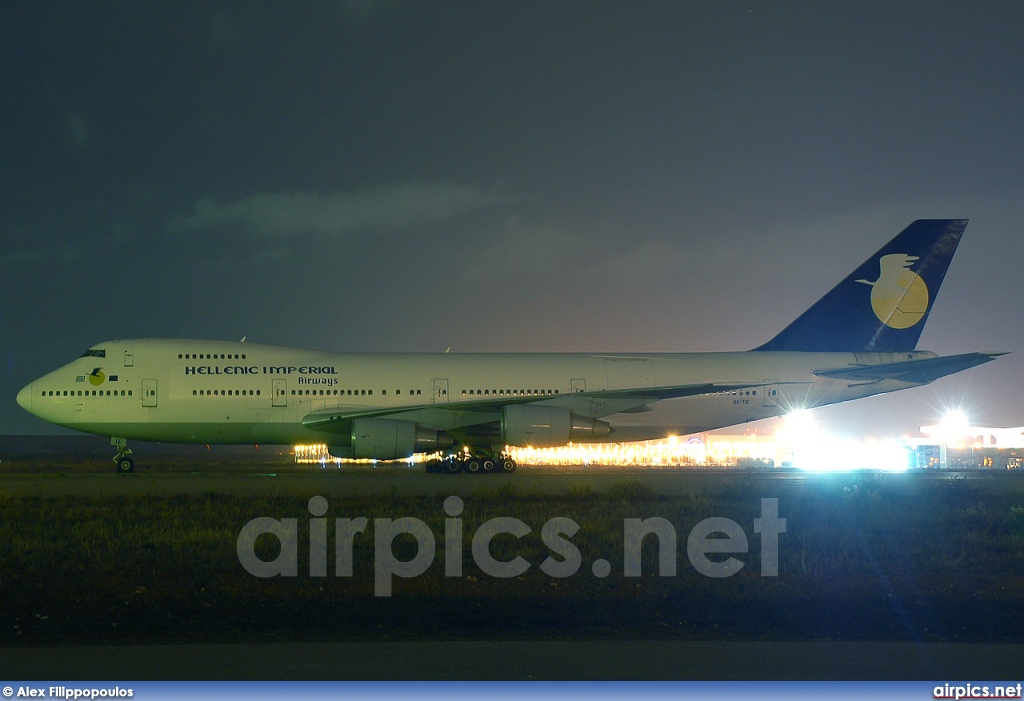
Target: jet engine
[(387, 439), (548, 427)]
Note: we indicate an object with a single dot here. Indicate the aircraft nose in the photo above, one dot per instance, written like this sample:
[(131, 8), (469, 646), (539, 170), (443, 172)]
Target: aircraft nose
[(25, 398)]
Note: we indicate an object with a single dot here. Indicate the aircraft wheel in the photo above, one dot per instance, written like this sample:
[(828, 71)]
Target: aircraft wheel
[(508, 466), (125, 465), (472, 466), (452, 466), (489, 466), (433, 466)]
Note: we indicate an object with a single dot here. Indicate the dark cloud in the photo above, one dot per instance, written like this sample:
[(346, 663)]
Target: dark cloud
[(338, 216)]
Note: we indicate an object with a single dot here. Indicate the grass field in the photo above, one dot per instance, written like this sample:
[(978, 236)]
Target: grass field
[(870, 558)]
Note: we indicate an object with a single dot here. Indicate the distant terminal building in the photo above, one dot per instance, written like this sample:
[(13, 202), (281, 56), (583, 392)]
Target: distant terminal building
[(957, 445)]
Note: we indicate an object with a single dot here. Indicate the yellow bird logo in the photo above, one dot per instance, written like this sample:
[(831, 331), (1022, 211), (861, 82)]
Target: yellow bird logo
[(899, 296), (96, 377)]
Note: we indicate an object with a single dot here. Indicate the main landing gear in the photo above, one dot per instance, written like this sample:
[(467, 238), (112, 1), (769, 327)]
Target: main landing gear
[(123, 459), (472, 464)]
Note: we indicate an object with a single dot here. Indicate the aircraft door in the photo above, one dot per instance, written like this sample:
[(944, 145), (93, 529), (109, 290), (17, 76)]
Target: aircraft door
[(579, 384), (440, 389), (771, 393), (280, 392), (149, 393), (129, 358)]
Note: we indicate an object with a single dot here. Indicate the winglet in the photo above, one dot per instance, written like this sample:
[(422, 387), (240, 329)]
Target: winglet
[(882, 305)]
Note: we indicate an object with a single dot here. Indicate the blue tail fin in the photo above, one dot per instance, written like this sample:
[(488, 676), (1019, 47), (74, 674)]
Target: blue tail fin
[(884, 304)]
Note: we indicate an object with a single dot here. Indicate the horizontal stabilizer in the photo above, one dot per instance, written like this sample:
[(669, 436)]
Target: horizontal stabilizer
[(917, 371)]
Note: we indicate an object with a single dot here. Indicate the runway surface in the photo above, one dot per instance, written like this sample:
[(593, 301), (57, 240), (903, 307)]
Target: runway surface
[(265, 480), (333, 483)]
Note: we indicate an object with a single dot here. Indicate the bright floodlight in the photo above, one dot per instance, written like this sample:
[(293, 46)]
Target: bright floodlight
[(811, 448), (953, 427), (800, 421), (954, 424), (955, 419)]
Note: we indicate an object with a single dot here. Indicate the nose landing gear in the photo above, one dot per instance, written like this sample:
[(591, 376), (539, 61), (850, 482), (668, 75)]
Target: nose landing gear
[(123, 460)]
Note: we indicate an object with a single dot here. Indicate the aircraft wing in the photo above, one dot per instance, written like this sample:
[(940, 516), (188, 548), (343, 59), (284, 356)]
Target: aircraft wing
[(921, 371), (475, 412)]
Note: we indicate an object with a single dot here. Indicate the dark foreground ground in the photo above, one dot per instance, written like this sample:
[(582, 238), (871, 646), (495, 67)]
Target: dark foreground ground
[(923, 564), (505, 660)]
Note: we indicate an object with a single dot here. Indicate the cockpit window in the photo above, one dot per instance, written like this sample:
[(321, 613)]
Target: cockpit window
[(94, 353)]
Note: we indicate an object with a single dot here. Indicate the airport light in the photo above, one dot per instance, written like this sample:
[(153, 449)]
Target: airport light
[(953, 428), (799, 442), (955, 420), (809, 447)]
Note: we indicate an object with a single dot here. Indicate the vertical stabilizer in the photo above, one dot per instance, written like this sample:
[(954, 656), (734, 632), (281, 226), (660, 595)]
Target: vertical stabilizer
[(883, 304)]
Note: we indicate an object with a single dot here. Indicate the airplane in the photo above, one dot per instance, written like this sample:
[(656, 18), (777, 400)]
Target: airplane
[(857, 341)]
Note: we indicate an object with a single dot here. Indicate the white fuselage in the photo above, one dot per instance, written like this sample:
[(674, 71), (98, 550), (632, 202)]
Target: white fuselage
[(227, 392)]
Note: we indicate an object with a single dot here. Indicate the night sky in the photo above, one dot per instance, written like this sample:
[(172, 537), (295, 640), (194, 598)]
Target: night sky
[(520, 176)]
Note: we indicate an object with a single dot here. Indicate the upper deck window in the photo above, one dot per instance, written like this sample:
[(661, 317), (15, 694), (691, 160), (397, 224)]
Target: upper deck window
[(94, 353)]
